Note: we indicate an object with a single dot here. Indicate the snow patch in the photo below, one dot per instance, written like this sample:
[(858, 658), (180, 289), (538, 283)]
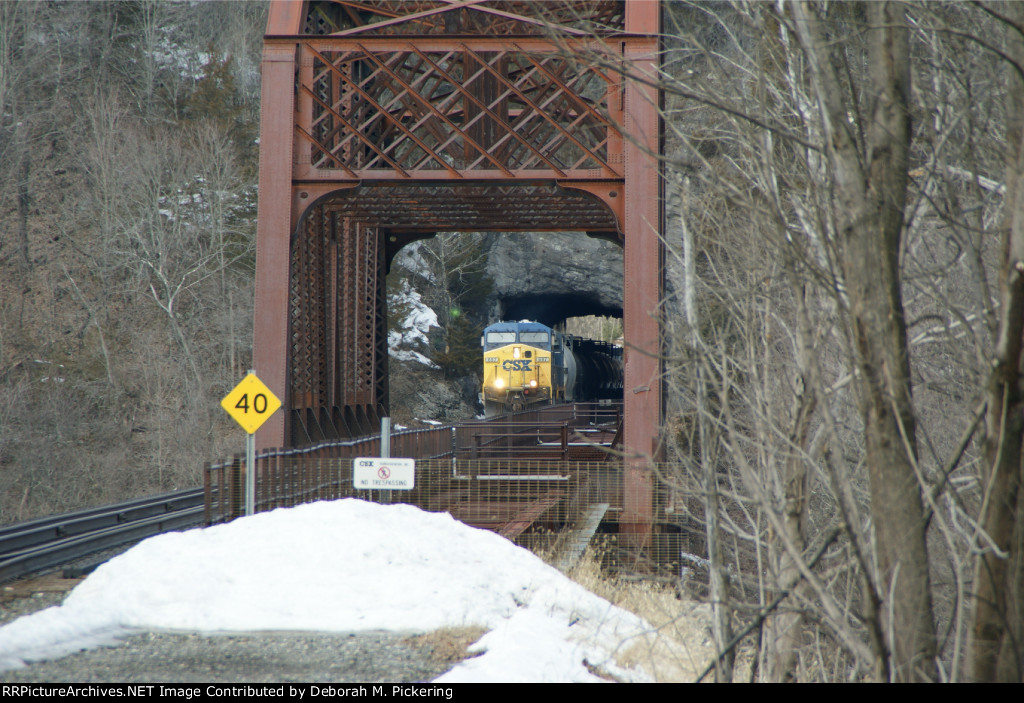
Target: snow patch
[(412, 328)]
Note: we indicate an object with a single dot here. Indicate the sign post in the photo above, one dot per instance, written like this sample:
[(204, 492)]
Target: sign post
[(385, 451), (250, 403)]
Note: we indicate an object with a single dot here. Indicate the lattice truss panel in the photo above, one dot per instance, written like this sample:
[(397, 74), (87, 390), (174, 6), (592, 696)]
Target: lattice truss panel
[(440, 207), (468, 17), (464, 111), (337, 328)]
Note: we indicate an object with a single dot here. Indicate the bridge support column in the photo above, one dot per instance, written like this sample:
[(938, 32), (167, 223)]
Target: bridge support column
[(275, 220), (337, 355), (642, 273)]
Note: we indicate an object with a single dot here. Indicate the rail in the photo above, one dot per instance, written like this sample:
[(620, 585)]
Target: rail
[(539, 458), (47, 542)]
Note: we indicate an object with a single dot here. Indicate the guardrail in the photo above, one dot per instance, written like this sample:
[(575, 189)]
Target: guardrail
[(47, 542)]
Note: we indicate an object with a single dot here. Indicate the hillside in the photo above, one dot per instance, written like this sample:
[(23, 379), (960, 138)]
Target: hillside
[(127, 202)]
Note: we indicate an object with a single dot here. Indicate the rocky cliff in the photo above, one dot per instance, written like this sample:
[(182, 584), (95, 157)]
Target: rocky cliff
[(551, 276), (443, 292)]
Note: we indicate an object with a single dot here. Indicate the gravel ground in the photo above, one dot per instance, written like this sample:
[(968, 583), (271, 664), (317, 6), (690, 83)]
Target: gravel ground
[(260, 657)]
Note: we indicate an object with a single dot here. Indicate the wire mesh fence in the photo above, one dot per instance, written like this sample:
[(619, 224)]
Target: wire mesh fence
[(547, 479)]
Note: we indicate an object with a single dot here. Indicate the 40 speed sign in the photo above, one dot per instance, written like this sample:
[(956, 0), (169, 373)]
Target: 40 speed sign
[(251, 403)]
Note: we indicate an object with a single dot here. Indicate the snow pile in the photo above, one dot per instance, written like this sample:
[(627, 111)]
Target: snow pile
[(343, 566)]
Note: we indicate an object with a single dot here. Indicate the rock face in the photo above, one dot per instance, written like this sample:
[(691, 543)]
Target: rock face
[(548, 277)]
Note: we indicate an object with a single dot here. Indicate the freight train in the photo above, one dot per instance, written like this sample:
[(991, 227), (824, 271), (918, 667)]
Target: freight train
[(527, 363)]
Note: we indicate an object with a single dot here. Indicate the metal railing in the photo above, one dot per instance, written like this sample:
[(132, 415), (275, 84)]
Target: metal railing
[(323, 471), (50, 541), (529, 476), (293, 476)]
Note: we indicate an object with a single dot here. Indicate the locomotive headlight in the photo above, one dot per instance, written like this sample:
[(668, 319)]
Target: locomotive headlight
[(499, 383), (533, 383)]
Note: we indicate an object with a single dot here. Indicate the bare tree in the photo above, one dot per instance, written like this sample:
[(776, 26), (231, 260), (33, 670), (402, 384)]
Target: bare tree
[(457, 268), (819, 214), (868, 163), (999, 582), (222, 189), (22, 81)]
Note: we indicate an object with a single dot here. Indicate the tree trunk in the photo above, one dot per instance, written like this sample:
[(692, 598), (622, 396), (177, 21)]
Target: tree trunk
[(719, 578), (786, 628), (870, 194), (24, 198), (996, 645)]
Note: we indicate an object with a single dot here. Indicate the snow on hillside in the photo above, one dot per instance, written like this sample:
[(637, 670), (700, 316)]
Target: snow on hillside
[(407, 339)]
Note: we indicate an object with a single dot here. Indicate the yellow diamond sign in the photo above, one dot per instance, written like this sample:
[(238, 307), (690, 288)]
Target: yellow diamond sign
[(250, 403)]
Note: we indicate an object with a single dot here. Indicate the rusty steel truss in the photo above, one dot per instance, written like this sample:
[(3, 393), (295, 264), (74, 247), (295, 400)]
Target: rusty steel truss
[(387, 121)]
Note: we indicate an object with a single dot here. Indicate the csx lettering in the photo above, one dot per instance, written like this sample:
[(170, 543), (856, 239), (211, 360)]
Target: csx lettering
[(516, 365)]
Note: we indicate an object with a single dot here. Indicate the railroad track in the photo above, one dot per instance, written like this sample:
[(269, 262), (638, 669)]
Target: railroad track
[(47, 542)]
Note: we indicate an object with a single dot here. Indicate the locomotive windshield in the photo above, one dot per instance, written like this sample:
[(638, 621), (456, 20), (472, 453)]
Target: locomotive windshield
[(504, 333), (534, 337)]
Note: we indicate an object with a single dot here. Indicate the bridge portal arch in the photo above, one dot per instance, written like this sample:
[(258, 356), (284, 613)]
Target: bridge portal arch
[(339, 254)]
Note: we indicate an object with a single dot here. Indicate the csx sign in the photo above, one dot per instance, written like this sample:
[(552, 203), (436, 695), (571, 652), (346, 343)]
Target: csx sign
[(516, 365)]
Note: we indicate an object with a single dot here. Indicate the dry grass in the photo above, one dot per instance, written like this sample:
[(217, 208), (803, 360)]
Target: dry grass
[(448, 645), (677, 649), (679, 645)]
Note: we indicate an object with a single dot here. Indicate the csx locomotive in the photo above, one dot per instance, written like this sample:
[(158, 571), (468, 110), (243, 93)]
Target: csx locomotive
[(527, 363)]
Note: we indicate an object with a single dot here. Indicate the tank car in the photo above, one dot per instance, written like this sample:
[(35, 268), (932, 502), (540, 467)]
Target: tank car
[(528, 363)]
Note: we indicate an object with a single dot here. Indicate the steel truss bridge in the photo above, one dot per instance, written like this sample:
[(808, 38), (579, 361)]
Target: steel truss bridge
[(387, 121)]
